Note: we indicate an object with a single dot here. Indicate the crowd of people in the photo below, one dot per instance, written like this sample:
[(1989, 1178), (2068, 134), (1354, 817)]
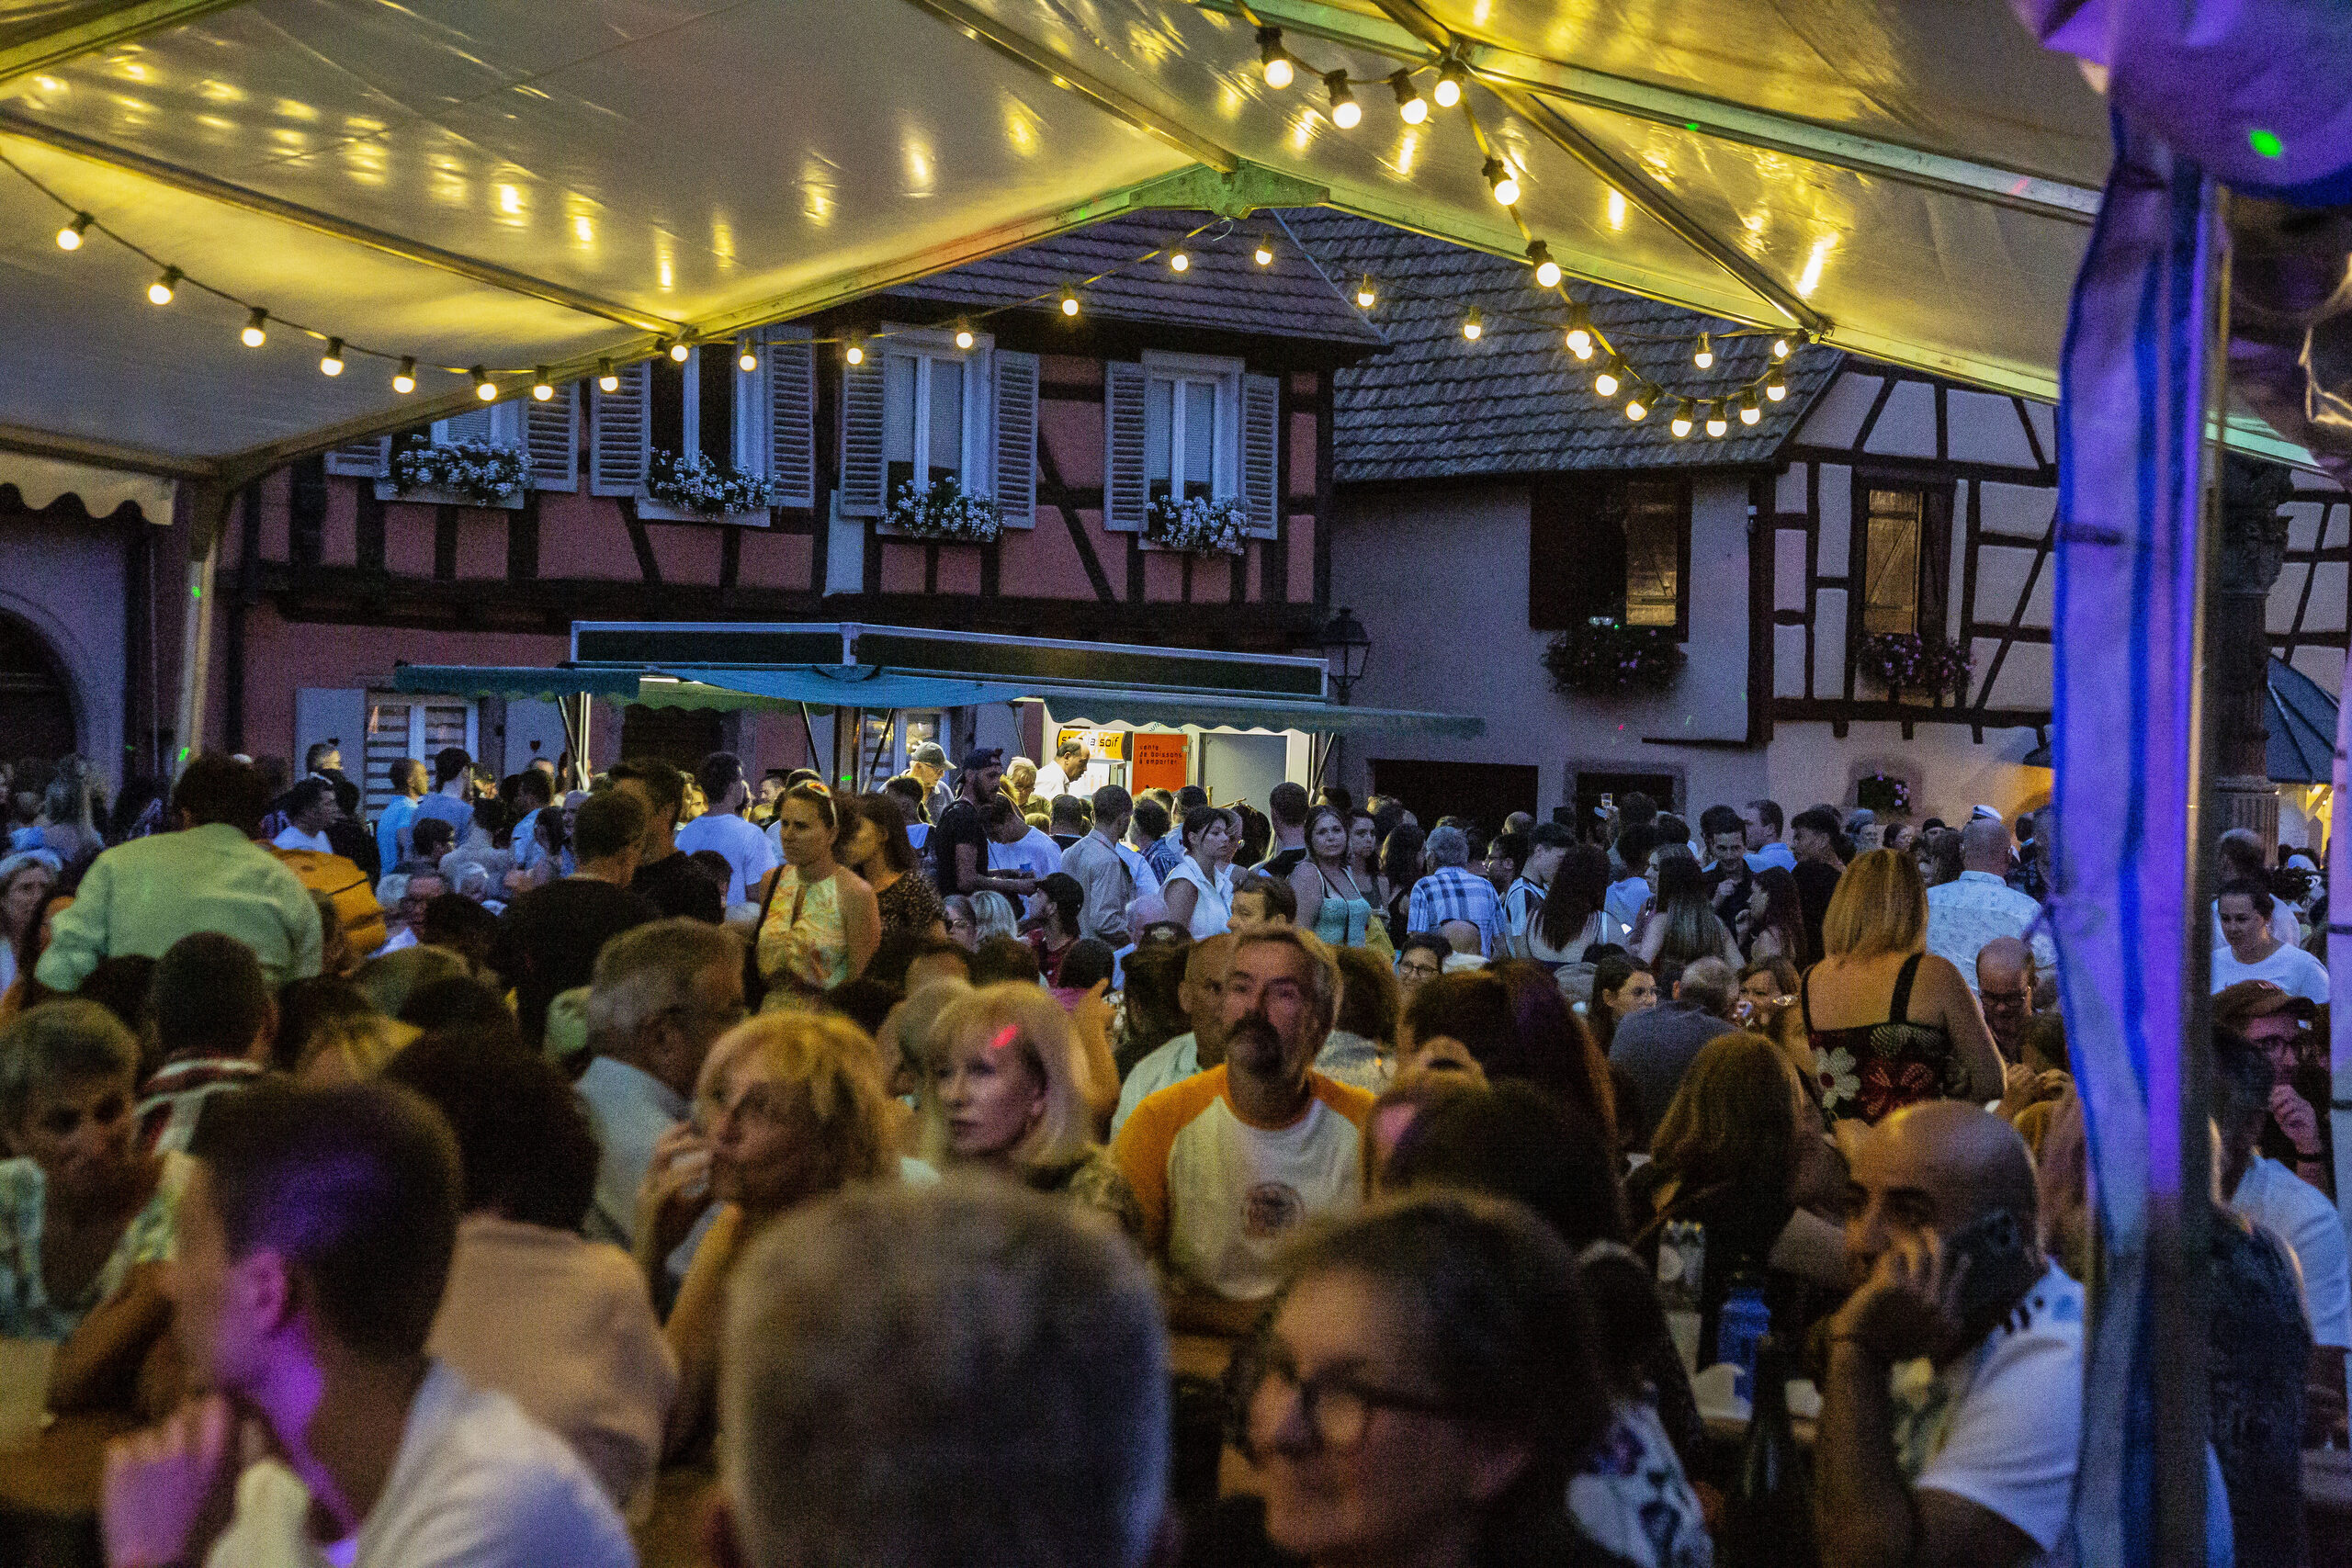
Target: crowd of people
[(434, 1182)]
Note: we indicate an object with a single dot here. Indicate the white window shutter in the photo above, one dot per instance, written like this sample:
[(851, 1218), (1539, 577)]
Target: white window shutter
[(620, 439), (860, 491), (789, 363), (362, 460), (1124, 490), (551, 440), (1016, 438), (1260, 453)]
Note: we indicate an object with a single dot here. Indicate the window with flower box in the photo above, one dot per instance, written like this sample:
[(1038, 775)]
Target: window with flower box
[(1604, 547), (760, 422), (919, 412), (1181, 426)]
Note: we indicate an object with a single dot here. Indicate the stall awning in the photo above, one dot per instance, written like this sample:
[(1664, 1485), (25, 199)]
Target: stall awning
[(515, 680), (1091, 705), (819, 685), (102, 491)]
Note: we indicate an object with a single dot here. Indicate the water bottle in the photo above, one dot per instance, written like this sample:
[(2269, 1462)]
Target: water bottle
[(1681, 1274), (1767, 1519), (1743, 1322)]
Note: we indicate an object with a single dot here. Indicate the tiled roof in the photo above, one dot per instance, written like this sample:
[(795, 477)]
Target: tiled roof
[(1224, 289), (1516, 401)]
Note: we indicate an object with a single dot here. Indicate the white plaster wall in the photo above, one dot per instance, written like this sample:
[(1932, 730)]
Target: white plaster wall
[(65, 581), (1806, 764)]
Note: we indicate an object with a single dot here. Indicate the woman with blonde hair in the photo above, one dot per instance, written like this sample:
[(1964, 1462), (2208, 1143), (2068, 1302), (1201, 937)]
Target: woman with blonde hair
[(1006, 1090), (1891, 1024), (789, 1107)]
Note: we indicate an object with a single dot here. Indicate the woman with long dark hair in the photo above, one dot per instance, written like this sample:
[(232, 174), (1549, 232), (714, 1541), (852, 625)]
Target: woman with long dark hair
[(880, 852), (1621, 986), (1400, 867), (1199, 889), (1575, 912), (1774, 921), (1682, 926)]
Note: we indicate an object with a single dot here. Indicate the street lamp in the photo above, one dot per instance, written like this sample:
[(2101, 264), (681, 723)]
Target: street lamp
[(1346, 645)]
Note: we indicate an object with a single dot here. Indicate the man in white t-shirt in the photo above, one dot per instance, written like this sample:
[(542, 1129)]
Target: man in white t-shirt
[(311, 809), (1229, 1164), (1202, 995), (2244, 910), (314, 1239), (1947, 1437), (749, 856), (1013, 845)]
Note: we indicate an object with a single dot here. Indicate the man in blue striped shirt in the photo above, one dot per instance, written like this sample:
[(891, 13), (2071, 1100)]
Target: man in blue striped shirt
[(1452, 892)]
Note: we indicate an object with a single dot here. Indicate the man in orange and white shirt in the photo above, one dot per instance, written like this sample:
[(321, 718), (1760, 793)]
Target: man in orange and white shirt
[(1229, 1163)]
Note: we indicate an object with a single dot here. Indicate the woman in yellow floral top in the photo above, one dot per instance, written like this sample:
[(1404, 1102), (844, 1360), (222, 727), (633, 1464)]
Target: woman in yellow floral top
[(819, 922), (87, 1216)]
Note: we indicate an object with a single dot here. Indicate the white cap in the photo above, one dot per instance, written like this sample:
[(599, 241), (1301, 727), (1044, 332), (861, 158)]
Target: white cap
[(1987, 812)]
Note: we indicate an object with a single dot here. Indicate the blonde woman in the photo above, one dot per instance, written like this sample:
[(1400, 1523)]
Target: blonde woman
[(1890, 1023), (789, 1107), (1007, 1091)]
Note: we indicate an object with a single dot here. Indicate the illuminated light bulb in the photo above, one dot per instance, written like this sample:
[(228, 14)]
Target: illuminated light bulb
[(678, 350), (256, 331), (747, 361), (1579, 337), (160, 291), (542, 387), (1264, 254), (608, 379), (1450, 83), (1473, 325), (1179, 262), (1346, 113), (1412, 108), (963, 338), (1637, 408), (1683, 418), (404, 378), (1703, 356), (1716, 423), (1607, 381), (70, 237), (1547, 271), (1780, 348), (330, 361), (1749, 413), (1775, 387), (1366, 296), (1272, 56), (855, 352), (484, 388), (1069, 303), (1498, 180)]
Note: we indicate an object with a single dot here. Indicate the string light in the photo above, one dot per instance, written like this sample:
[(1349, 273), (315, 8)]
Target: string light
[(1579, 339), (1608, 379), (70, 237), (1716, 423), (1412, 108), (1703, 356), (160, 291), (1682, 418), (1500, 181), (747, 361), (1473, 326), (1069, 302), (1637, 407), (330, 361), (1547, 271), (1178, 261), (1273, 57), (607, 379), (963, 338), (1346, 113), (1366, 296), (1775, 387), (1749, 413), (404, 378), (1450, 78), (484, 388), (855, 352), (1781, 346), (542, 384), (256, 331), (1264, 255)]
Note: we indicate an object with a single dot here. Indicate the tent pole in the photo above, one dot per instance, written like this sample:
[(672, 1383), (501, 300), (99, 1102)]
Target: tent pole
[(207, 521), (808, 731)]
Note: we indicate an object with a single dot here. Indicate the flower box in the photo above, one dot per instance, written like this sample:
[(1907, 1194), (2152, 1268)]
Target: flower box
[(1197, 526), (690, 488), (1907, 662), (1608, 658), (942, 513), (651, 511), (436, 495), (456, 473)]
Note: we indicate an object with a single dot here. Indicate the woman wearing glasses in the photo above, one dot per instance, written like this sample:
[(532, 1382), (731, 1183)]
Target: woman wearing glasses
[(1424, 1391)]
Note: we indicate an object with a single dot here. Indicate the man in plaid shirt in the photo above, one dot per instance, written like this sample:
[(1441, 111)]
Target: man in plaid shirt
[(1451, 891)]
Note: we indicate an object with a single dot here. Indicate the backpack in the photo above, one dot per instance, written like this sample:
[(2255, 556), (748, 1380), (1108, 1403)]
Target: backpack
[(346, 887)]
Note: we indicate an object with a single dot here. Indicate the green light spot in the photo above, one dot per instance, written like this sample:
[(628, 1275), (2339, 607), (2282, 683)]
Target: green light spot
[(1690, 125), (194, 592), (2266, 143)]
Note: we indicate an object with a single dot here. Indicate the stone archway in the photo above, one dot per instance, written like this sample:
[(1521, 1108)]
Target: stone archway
[(37, 717)]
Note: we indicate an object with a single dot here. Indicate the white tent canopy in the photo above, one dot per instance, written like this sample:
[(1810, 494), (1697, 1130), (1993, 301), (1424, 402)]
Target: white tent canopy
[(518, 183)]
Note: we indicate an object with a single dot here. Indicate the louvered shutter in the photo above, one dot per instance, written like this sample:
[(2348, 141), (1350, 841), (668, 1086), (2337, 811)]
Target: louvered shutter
[(1124, 490), (1016, 438), (789, 363), (551, 440), (620, 442), (1260, 453), (860, 491), (362, 460)]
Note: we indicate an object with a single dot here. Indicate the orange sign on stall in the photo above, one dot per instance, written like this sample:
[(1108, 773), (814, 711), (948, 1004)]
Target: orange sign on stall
[(1160, 762)]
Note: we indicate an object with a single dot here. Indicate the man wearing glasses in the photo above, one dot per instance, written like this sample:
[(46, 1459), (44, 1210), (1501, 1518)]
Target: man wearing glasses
[(1229, 1163)]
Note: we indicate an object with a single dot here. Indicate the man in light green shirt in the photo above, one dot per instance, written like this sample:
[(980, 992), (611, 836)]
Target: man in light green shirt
[(143, 897)]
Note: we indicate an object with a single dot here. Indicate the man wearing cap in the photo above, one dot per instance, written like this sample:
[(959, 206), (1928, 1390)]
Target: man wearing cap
[(929, 765), (959, 838)]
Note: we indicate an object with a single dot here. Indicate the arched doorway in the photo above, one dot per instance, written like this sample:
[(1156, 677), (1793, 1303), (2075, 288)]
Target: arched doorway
[(36, 703)]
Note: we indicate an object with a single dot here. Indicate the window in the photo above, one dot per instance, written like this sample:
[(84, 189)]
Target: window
[(759, 422), (920, 409), (928, 430), (1190, 426), (1609, 547), (1904, 548), (402, 724)]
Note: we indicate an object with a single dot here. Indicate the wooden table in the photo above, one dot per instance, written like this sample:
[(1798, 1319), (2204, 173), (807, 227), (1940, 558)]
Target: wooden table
[(49, 1492)]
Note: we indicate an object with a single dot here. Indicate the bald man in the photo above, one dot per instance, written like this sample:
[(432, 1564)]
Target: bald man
[(1952, 1411), (1965, 914), (2005, 978), (1199, 1048)]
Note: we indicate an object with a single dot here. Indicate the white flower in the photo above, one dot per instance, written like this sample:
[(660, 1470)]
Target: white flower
[(1834, 1070), (474, 469)]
